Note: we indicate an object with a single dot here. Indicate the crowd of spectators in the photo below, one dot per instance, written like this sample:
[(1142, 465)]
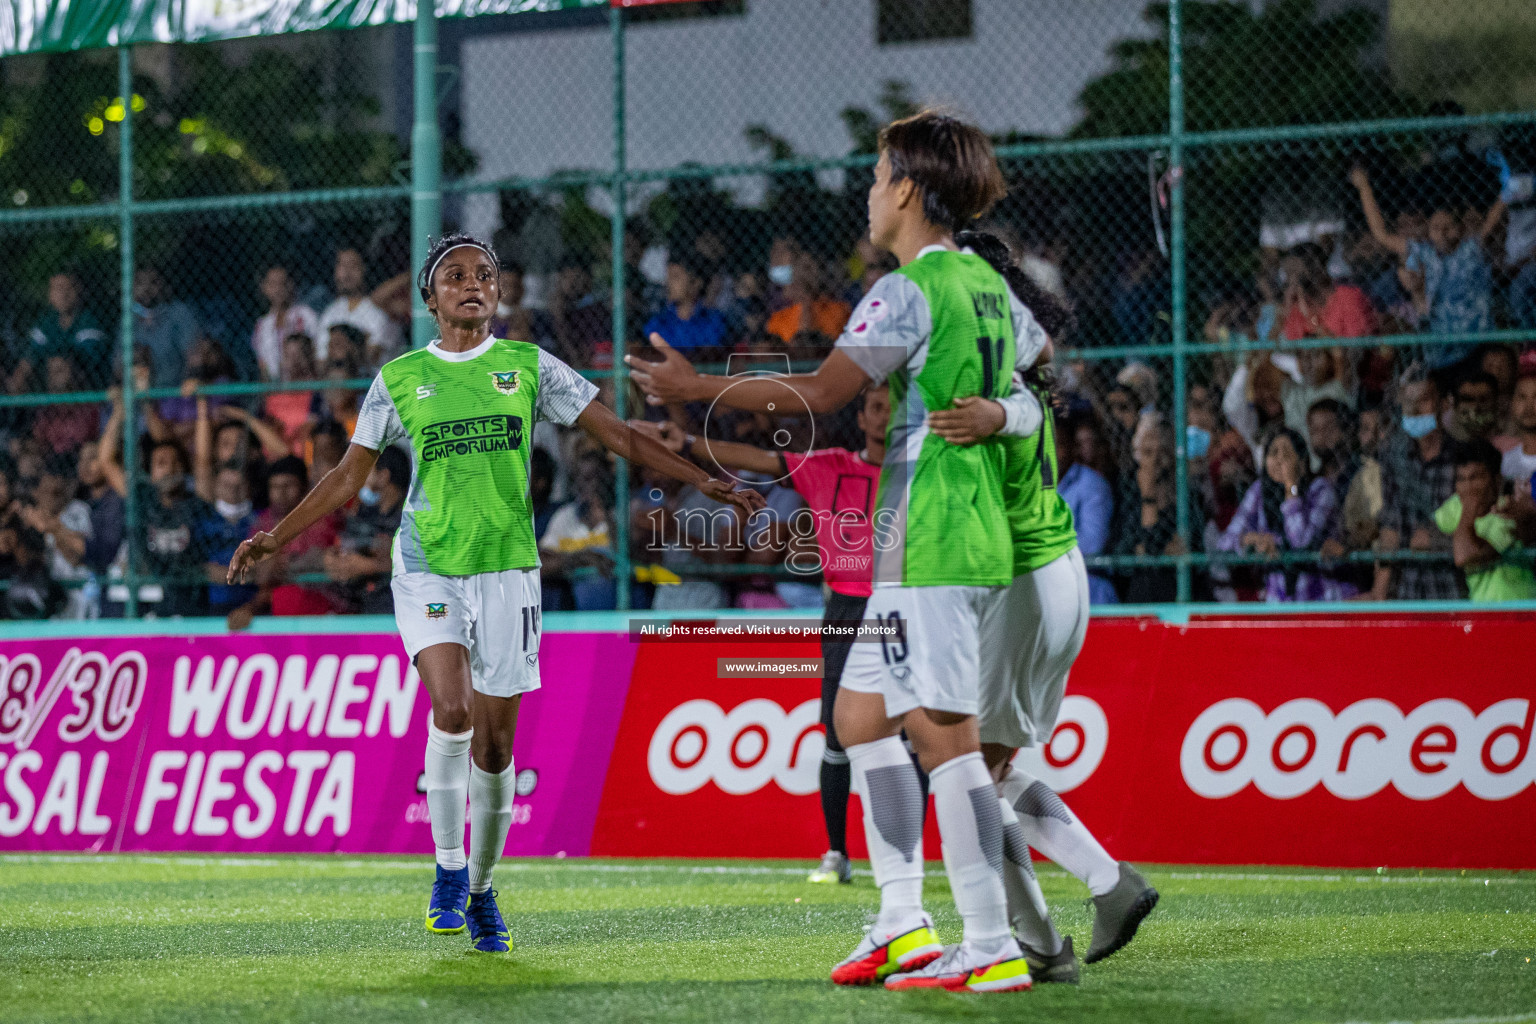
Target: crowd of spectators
[(1319, 467)]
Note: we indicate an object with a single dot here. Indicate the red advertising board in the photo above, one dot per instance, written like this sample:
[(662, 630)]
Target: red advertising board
[(1398, 740)]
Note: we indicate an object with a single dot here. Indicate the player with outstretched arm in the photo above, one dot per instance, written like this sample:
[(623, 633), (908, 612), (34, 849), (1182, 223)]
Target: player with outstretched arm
[(942, 327), (466, 563)]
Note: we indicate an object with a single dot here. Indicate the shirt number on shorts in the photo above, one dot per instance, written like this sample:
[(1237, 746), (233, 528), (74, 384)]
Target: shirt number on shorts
[(530, 627), (893, 647)]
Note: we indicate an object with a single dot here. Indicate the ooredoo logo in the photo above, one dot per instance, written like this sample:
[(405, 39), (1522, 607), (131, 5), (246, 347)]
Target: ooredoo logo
[(1077, 746), (740, 750), (1358, 752)]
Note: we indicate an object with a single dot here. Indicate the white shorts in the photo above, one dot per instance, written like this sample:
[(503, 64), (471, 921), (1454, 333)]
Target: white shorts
[(494, 615), (934, 663), (1029, 641)]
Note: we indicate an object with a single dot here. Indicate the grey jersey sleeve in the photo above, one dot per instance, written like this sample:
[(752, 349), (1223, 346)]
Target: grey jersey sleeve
[(1021, 410), (1029, 338), (378, 421), (563, 393), (891, 324)]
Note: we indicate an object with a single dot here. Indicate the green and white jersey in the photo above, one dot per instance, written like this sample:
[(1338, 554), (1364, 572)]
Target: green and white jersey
[(944, 326), (1039, 519), (468, 418)]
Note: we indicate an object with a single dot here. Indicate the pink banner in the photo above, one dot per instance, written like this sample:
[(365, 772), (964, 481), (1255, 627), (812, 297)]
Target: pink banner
[(275, 744)]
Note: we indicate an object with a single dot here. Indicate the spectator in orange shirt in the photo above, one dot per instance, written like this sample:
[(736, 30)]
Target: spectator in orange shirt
[(812, 319)]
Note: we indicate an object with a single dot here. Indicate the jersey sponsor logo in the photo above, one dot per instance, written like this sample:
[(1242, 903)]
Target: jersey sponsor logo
[(1358, 752), (740, 750), (425, 391), (505, 381), (498, 433), (988, 306), (437, 611)]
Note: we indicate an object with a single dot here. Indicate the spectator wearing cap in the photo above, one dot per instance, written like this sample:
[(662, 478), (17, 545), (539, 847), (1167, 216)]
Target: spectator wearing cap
[(354, 306), (165, 327), (1418, 475), (685, 322), (67, 328), (359, 563), (1479, 532), (284, 317)]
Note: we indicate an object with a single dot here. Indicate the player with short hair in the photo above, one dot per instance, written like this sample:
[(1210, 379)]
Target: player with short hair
[(1029, 641), (465, 561), (943, 326)]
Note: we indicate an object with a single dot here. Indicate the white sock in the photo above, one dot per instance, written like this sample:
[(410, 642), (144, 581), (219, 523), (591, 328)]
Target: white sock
[(965, 802), (1056, 832), (490, 815), (1027, 911), (447, 787), (887, 785)]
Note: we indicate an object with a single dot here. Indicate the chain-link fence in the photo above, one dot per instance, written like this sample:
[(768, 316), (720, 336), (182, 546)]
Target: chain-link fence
[(1298, 238)]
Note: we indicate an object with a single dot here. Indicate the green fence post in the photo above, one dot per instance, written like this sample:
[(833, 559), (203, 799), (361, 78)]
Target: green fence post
[(623, 571), (1179, 284), (426, 164), (125, 233)]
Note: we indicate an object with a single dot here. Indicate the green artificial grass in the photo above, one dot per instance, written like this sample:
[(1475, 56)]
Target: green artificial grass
[(336, 939)]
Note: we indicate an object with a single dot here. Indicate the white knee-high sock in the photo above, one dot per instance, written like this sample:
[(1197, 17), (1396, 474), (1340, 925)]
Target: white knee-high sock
[(1027, 911), (887, 785), (1050, 827), (490, 815), (971, 825), (447, 786)]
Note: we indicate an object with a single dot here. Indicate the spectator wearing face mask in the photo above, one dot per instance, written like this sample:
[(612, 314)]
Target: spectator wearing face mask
[(1449, 275), (1479, 533), (811, 319), (1418, 475), (231, 522), (1288, 510)]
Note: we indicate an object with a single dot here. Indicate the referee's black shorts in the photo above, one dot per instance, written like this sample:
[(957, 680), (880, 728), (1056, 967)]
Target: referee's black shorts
[(834, 654)]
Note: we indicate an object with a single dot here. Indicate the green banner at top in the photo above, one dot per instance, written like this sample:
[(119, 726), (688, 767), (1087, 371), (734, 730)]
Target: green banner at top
[(31, 26)]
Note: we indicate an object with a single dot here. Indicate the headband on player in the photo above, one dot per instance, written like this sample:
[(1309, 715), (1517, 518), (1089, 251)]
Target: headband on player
[(424, 282)]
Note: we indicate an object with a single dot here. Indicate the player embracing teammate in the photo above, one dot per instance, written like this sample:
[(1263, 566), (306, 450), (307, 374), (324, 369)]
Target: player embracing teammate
[(466, 565), (981, 621)]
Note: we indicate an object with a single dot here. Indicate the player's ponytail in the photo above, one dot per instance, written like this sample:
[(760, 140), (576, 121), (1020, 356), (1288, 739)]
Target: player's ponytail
[(1049, 312)]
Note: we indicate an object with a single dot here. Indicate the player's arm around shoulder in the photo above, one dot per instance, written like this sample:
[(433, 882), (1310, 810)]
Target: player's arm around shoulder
[(974, 418)]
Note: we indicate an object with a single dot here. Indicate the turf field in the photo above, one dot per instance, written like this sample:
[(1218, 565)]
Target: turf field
[(332, 940)]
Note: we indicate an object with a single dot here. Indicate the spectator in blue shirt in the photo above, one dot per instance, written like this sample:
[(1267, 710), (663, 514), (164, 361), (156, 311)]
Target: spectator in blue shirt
[(685, 322), (1092, 502), (164, 326)]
